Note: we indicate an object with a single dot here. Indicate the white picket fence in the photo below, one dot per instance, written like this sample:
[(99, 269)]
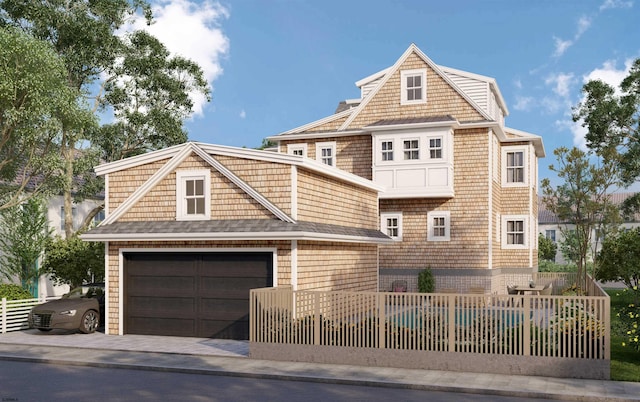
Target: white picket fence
[(14, 313)]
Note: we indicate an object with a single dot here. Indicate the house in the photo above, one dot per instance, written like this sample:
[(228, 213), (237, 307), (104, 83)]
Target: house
[(190, 229), (460, 187), (552, 228)]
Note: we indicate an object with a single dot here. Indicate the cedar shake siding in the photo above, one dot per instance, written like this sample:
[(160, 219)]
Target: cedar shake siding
[(324, 200)]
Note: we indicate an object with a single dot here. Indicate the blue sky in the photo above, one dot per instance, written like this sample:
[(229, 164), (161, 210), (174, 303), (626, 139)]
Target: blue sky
[(276, 65)]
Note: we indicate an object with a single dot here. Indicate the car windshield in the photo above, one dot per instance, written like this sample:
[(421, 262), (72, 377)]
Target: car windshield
[(84, 291)]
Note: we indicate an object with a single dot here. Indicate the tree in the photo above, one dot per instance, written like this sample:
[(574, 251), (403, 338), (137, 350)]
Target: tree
[(73, 261), (613, 124), (144, 88), (546, 248), (35, 102), (619, 259), (24, 231), (582, 201)]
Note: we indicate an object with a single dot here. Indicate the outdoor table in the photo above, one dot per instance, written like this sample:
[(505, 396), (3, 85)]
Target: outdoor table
[(525, 289)]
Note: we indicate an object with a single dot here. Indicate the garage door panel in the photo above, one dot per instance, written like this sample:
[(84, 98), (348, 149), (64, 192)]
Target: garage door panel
[(217, 285), (164, 326), (164, 305)]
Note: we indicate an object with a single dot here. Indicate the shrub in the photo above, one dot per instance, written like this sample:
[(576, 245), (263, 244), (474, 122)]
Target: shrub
[(426, 281), (14, 292), (628, 316)]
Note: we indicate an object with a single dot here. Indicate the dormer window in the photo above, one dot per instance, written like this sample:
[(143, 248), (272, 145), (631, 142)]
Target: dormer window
[(193, 194), (414, 86)]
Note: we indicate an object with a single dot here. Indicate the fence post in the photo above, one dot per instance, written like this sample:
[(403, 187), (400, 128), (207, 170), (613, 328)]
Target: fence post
[(4, 315), (451, 320), (526, 331), (382, 320), (316, 318)]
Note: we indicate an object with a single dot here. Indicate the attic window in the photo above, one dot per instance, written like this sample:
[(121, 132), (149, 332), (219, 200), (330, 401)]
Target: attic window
[(193, 197), (414, 86)]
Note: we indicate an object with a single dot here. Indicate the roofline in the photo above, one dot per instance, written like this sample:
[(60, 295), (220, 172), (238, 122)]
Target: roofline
[(306, 136), (533, 138), (450, 123), (372, 77), (204, 236), (315, 123), (490, 80), (266, 156)]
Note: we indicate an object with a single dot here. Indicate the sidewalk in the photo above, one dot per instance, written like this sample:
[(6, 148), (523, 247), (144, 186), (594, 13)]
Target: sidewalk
[(220, 357)]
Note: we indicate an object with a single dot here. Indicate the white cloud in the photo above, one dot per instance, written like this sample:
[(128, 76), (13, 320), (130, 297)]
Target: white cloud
[(583, 24), (608, 4), (517, 83), (552, 105), (192, 30), (561, 46), (243, 114), (523, 103), (561, 83), (609, 74)]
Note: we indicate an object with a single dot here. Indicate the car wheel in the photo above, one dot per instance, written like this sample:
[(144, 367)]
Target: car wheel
[(90, 321), (44, 329)]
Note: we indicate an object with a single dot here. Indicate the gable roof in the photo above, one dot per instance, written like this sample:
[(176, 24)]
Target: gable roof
[(412, 49), (546, 217)]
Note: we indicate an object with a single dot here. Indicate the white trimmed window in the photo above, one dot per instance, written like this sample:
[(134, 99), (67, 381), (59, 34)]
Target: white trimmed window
[(386, 148), (193, 194), (391, 224), (74, 214), (414, 86), (326, 153), (411, 149), (297, 149), (439, 226), (435, 148), (514, 166), (514, 231)]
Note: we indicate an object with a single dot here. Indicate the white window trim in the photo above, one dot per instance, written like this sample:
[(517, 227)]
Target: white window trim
[(181, 206), (297, 147), (525, 231), (447, 225), (525, 160), (403, 150), (323, 145), (383, 223), (381, 151), (441, 149), (422, 72)]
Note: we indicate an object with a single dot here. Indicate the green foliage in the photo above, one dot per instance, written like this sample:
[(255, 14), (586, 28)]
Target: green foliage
[(35, 101), (627, 317), (24, 231), (73, 261), (13, 292), (550, 266), (582, 200), (611, 118), (426, 281), (619, 259), (546, 248)]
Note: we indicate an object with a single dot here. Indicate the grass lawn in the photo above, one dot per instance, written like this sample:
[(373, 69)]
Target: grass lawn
[(625, 361)]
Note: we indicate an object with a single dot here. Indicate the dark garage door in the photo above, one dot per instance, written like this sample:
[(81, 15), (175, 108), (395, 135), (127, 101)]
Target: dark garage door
[(192, 294)]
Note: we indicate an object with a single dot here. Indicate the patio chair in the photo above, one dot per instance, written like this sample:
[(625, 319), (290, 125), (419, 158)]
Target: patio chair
[(513, 301), (399, 286), (546, 291)]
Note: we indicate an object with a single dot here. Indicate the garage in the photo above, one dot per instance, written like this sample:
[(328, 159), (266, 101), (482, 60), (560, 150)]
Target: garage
[(192, 294)]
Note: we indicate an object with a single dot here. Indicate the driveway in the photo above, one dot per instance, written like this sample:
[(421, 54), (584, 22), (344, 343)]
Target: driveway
[(138, 343)]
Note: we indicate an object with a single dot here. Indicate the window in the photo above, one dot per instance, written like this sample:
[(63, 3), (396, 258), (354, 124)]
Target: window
[(391, 225), (297, 149), (514, 231), (414, 86), (438, 226), (193, 194), (435, 148), (387, 150), (515, 167), (99, 217), (411, 150), (326, 153), (550, 234), (74, 213)]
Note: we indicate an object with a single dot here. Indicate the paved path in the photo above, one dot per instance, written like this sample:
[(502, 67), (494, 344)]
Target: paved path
[(219, 357)]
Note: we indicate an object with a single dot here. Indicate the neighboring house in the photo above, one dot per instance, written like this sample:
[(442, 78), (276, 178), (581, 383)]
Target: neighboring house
[(460, 187), (550, 226), (192, 228)]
